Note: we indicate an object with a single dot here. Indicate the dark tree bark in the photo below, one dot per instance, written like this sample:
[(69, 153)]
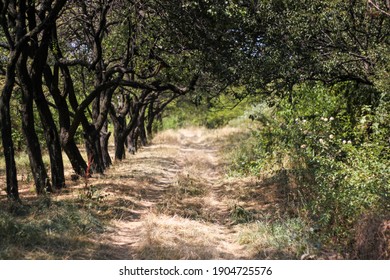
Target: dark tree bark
[(52, 138), (120, 151), (38, 169), (47, 120), (141, 126), (6, 128), (104, 137), (118, 118), (5, 116), (67, 143), (132, 140), (122, 131), (99, 131), (151, 117)]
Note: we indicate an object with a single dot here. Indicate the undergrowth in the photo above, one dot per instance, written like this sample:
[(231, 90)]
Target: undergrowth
[(335, 153), (288, 238)]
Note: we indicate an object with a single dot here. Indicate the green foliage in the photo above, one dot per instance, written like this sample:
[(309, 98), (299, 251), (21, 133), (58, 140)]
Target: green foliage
[(338, 154), (204, 111), (239, 215)]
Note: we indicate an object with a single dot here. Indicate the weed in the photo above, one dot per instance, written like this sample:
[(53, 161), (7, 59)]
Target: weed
[(239, 215), (280, 239)]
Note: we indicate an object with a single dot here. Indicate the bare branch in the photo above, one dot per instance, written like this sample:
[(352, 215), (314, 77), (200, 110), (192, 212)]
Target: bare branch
[(376, 6)]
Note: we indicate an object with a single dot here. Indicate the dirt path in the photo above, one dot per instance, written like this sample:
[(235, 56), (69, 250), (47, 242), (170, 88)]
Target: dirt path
[(170, 201)]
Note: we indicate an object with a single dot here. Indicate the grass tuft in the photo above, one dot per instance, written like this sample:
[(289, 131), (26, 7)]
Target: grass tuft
[(290, 238)]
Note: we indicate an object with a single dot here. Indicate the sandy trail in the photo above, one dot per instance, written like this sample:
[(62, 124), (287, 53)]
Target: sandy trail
[(170, 200)]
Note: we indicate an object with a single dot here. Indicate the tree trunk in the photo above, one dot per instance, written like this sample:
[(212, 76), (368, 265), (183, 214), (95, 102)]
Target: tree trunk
[(118, 118), (94, 151), (38, 169), (151, 116), (6, 132), (67, 143), (6, 128), (120, 139), (141, 126), (100, 110), (48, 124), (76, 160), (53, 146), (104, 137), (132, 140)]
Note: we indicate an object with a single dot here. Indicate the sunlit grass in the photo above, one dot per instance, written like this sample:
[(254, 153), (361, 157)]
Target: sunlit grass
[(290, 238), (177, 238), (51, 229)]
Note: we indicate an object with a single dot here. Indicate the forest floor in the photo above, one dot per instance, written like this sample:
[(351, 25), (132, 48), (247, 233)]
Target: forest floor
[(171, 200)]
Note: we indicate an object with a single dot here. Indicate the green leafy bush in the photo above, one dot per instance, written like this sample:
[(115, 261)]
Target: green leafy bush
[(336, 150)]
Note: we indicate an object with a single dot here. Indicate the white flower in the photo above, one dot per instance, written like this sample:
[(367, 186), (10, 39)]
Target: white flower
[(303, 146), (331, 136), (304, 121), (349, 142), (322, 141), (331, 118), (344, 142), (325, 119)]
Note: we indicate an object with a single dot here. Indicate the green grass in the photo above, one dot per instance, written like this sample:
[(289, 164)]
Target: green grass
[(290, 238)]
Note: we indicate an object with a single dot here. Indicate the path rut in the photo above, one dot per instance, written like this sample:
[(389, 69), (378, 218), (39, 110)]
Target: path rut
[(175, 209)]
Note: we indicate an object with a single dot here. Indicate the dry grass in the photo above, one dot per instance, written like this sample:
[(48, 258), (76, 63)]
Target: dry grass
[(169, 136), (46, 228), (172, 200), (288, 238), (373, 237), (168, 237)]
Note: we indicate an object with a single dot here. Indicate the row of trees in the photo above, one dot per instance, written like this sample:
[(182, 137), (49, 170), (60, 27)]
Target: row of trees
[(80, 65)]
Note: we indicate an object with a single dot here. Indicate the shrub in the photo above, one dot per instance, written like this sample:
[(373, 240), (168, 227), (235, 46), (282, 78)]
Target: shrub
[(338, 154)]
